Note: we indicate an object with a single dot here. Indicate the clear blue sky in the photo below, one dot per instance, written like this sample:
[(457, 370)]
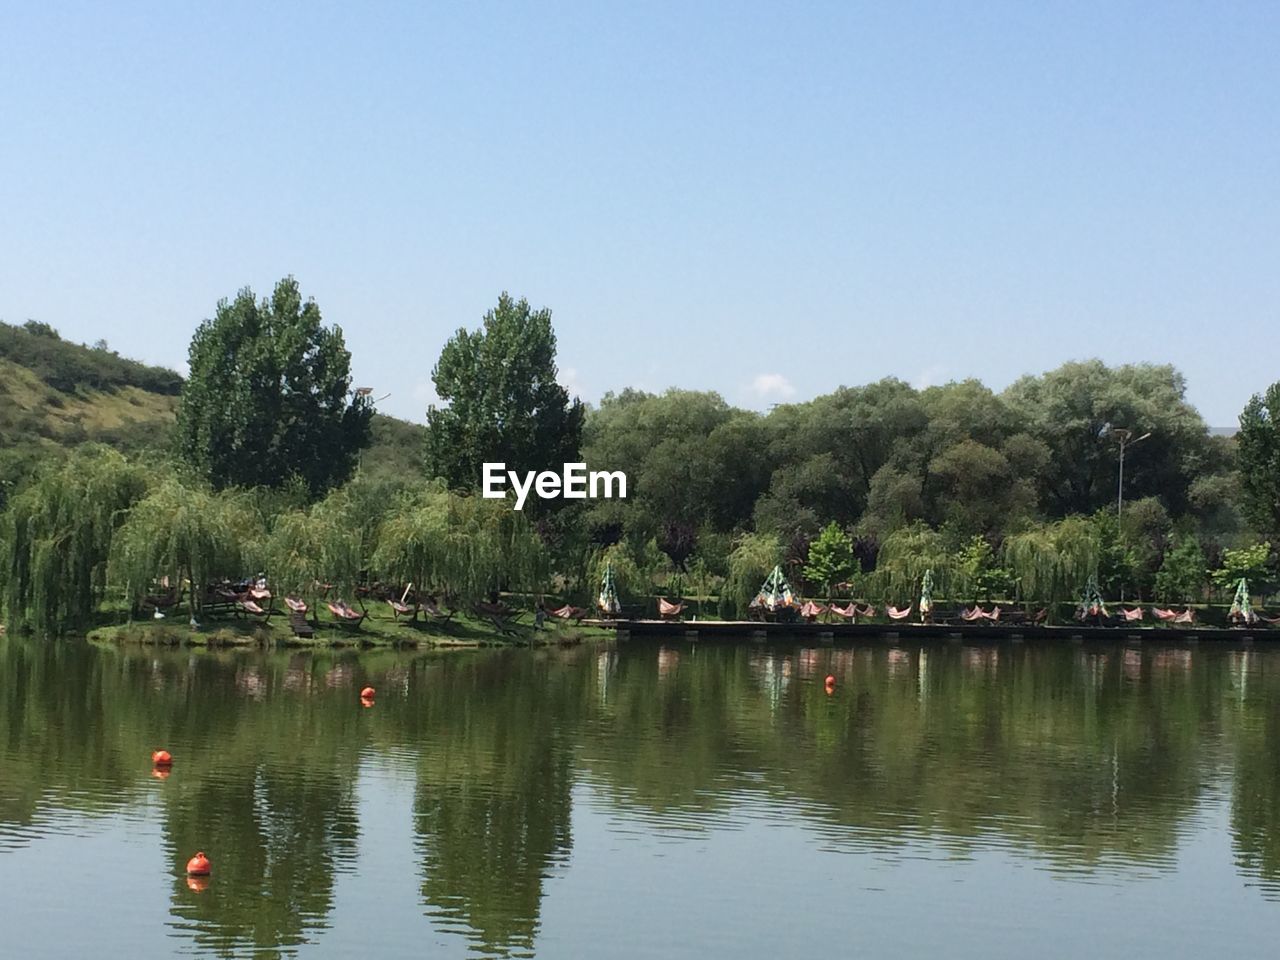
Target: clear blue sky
[(767, 200)]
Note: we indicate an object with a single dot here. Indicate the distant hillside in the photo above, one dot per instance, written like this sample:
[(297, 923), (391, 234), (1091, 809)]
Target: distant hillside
[(55, 394)]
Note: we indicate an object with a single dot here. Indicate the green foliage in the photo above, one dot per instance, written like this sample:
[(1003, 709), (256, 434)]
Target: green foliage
[(329, 543), (1183, 573), (269, 396), (752, 559), (1053, 562), (1253, 563), (975, 574), (503, 401), (906, 555), (830, 558), (187, 533), (1259, 452), (57, 535), (461, 547), (70, 367)]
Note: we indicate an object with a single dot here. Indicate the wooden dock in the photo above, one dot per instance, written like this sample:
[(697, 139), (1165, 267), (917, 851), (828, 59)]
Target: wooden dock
[(740, 630)]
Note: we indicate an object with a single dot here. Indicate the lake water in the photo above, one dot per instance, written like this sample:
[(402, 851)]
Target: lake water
[(643, 801)]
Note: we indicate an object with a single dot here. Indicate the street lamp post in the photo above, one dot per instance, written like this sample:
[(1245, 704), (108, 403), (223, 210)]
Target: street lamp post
[(1126, 439)]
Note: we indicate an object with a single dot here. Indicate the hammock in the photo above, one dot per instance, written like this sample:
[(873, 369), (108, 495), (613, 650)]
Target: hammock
[(1186, 616), (430, 608), (344, 612), (811, 610), (896, 614), (296, 605), (250, 606), (867, 611), (667, 609), (1168, 616), (849, 613), (1134, 614), (568, 612), (402, 609), (974, 615), (259, 593), (994, 614)]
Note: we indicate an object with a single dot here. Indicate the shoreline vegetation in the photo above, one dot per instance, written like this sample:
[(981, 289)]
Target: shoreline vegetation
[(125, 489)]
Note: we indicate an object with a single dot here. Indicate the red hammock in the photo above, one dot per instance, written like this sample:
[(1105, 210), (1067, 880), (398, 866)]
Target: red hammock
[(1186, 616), (296, 605), (1166, 615), (1135, 614), (974, 615), (849, 613), (568, 612), (667, 609), (249, 606), (343, 612), (896, 614), (811, 611)]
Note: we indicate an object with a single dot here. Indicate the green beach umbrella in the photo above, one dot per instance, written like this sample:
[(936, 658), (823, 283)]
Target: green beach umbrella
[(775, 592), (1091, 602), (608, 599), (926, 593), (1242, 606)]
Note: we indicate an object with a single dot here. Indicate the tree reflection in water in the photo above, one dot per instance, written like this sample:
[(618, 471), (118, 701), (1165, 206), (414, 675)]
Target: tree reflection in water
[(1083, 759)]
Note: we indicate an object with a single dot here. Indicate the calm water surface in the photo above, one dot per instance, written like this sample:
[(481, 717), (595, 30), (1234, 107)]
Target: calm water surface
[(643, 801)]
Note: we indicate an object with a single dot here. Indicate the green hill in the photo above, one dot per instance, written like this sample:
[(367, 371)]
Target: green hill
[(55, 394)]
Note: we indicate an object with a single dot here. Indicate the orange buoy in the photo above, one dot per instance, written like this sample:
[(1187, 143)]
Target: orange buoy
[(160, 773), (197, 884), (161, 758), (831, 683), (368, 693), (366, 702), (198, 866)]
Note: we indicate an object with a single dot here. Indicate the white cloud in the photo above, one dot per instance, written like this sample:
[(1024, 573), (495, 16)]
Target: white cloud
[(768, 386)]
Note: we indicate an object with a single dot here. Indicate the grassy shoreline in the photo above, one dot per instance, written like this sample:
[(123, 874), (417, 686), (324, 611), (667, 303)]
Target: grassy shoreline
[(373, 633)]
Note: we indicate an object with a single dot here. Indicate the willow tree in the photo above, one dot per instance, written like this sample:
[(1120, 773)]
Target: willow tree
[(906, 556), (752, 559), (1054, 561), (329, 543), (186, 533), (57, 535), (462, 547)]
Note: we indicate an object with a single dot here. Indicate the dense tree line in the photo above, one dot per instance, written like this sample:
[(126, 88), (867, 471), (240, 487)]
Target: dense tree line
[(860, 492)]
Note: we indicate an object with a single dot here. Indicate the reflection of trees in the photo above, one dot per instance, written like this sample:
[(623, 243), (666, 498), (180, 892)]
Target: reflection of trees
[(276, 839), (1084, 756), (1056, 747), (1255, 805), (492, 809), (266, 759)]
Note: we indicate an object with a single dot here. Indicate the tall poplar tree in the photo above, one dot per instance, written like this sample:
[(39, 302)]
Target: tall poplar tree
[(503, 403), (269, 400)]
